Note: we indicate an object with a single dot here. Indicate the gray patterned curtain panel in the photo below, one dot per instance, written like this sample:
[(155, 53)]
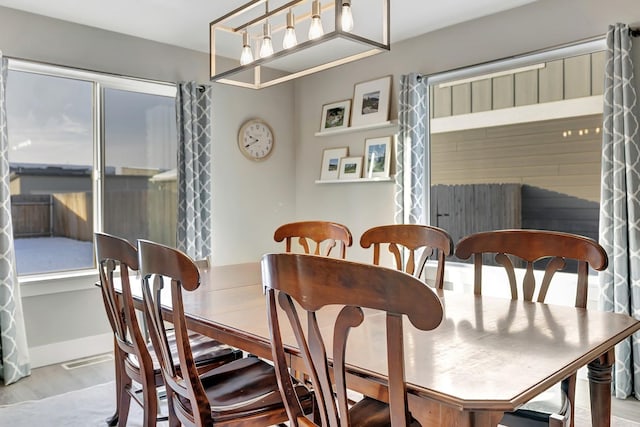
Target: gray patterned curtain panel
[(620, 204), (14, 363), (193, 107), (413, 111)]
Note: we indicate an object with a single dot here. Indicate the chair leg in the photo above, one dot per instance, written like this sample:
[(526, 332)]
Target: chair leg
[(571, 392), (150, 408), (124, 403), (173, 419), (118, 373)]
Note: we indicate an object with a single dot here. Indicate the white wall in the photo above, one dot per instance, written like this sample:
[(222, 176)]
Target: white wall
[(251, 199), (65, 318), (536, 26)]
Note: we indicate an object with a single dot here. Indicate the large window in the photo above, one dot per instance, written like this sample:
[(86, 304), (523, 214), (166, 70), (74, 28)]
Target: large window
[(517, 144), (140, 199), (88, 152), (520, 146)]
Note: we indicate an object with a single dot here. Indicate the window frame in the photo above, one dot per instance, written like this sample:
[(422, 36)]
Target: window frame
[(63, 281), (498, 66), (483, 70)]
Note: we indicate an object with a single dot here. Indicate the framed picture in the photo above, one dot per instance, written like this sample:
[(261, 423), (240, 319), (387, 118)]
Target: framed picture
[(377, 152), (331, 162), (350, 167), (335, 116), (371, 102)]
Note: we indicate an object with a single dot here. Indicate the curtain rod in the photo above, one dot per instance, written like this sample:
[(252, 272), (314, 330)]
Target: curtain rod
[(88, 70), (634, 32), (589, 45)]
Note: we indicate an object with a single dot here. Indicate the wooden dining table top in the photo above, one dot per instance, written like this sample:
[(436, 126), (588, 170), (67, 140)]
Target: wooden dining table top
[(488, 354)]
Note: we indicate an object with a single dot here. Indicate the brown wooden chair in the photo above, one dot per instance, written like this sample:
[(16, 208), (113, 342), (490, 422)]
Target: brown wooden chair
[(322, 235), (302, 285), (242, 392), (431, 241), (134, 361), (554, 250)]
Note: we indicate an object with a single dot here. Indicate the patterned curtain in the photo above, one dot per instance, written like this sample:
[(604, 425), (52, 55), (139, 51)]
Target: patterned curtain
[(14, 363), (193, 107), (620, 204), (411, 150)]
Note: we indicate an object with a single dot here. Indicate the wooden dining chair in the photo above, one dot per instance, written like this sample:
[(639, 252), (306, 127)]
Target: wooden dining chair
[(302, 286), (554, 250), (243, 392), (135, 361), (322, 236), (423, 241)]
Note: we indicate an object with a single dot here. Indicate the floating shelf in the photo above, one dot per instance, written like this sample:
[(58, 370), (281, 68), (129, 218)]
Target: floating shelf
[(344, 181), (387, 124)]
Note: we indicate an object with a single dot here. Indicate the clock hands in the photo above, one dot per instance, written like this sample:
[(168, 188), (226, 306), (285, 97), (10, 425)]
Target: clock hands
[(255, 140)]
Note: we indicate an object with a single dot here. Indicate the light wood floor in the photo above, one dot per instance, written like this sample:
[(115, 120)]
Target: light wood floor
[(55, 379)]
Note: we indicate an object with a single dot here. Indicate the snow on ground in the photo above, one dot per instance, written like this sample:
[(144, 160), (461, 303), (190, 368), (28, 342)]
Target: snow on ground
[(49, 254)]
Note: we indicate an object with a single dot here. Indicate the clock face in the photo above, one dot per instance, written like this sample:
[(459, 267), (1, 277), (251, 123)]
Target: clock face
[(255, 139)]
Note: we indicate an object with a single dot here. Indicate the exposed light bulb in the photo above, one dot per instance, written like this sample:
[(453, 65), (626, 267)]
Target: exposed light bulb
[(315, 29), (246, 57), (266, 49), (347, 16), (290, 39)]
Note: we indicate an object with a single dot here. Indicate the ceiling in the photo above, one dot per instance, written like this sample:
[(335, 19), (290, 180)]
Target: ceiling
[(186, 23)]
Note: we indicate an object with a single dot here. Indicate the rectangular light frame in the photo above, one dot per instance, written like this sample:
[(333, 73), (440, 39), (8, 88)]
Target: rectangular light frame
[(372, 47)]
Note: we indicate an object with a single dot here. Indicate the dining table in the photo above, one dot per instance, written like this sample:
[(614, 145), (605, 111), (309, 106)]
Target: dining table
[(489, 355)]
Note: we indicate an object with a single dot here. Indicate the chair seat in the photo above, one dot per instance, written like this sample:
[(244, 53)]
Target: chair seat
[(245, 387), (538, 410), (372, 413), (206, 351)]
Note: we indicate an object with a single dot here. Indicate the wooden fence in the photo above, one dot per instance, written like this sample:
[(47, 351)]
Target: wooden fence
[(466, 209), (132, 214), (31, 215)]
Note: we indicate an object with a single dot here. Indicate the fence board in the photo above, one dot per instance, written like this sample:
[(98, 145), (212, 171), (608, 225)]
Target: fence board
[(31, 215)]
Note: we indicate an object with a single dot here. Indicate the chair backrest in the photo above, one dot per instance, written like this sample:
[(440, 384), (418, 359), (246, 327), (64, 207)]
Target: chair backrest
[(313, 282), (116, 257), (322, 235), (162, 266), (531, 246), (414, 238)]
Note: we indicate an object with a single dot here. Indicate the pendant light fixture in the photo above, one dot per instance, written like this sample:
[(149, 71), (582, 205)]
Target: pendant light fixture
[(347, 16), (266, 49), (332, 39), (290, 39), (315, 29), (246, 57)]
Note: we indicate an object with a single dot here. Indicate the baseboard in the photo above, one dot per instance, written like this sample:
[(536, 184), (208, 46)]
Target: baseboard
[(64, 351)]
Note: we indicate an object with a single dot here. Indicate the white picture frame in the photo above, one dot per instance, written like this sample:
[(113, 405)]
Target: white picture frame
[(350, 167), (371, 102), (377, 154), (335, 116), (330, 168)]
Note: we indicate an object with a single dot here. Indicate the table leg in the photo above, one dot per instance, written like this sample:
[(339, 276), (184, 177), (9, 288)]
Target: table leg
[(600, 389)]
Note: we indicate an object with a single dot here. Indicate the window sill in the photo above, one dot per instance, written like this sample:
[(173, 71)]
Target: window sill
[(59, 282)]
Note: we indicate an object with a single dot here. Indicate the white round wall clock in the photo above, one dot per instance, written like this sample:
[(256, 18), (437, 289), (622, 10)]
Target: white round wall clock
[(256, 139)]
